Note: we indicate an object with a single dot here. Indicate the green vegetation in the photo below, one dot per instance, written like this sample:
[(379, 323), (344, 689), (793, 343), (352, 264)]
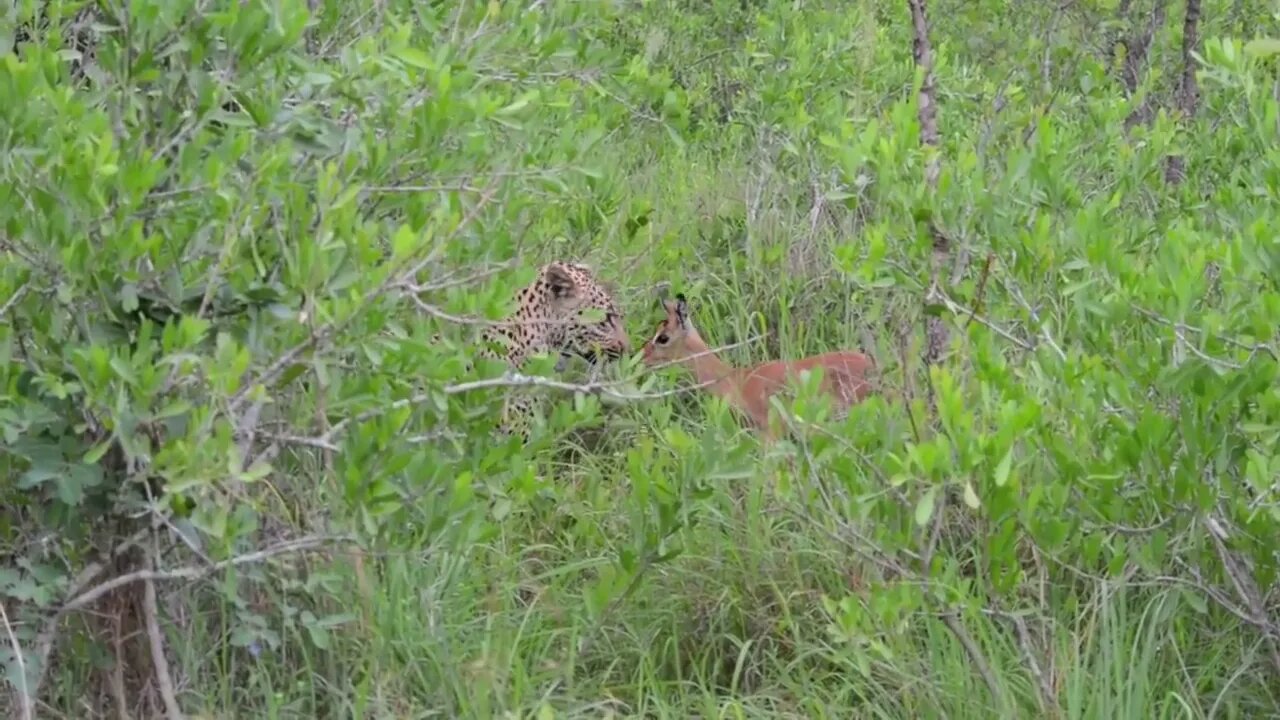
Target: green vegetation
[(230, 230)]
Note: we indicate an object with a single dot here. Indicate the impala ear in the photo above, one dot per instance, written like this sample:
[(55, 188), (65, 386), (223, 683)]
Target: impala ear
[(682, 310), (660, 293)]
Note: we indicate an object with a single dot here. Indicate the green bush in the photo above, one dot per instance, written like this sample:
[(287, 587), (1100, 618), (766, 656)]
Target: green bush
[(234, 407)]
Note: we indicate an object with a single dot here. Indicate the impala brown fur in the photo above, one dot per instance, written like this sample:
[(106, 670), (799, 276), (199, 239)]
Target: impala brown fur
[(844, 378)]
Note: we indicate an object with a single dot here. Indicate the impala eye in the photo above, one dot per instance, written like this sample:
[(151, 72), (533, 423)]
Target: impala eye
[(662, 339)]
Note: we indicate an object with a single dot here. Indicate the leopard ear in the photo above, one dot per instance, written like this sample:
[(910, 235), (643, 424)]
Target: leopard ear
[(561, 281)]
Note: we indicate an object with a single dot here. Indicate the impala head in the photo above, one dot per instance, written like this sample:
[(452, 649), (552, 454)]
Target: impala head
[(671, 341)]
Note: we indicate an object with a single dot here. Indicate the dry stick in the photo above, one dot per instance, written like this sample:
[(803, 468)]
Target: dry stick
[(24, 697), (952, 620), (956, 309), (117, 687), (158, 659), (1253, 348)]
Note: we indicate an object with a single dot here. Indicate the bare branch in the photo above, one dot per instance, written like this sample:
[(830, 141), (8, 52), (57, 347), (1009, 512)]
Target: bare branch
[(163, 678), (1246, 589), (25, 701), (49, 631), (959, 310), (196, 573), (979, 660), (1188, 91), (927, 110), (515, 379), (1035, 318), (1182, 329), (1028, 651), (512, 379)]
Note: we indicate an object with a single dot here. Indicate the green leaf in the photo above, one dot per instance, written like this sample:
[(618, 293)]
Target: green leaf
[(970, 497), (129, 297), (258, 470), (924, 508), (519, 104), (1002, 470), (1262, 47), (319, 636), (39, 474), (403, 242), (414, 57)]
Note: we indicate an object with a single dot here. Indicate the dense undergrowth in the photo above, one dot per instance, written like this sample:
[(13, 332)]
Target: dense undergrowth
[(215, 217)]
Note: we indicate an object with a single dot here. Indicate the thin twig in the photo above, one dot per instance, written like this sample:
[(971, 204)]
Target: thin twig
[(322, 334), (14, 298), (1247, 590), (958, 310), (328, 440), (196, 573), (1252, 348), (515, 379), (1035, 318), (449, 281), (24, 697), (982, 287), (461, 187)]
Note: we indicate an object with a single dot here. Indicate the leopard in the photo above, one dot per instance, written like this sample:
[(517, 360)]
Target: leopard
[(566, 311)]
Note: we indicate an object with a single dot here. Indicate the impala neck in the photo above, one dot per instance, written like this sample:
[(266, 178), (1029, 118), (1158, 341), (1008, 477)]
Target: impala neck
[(707, 367)]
